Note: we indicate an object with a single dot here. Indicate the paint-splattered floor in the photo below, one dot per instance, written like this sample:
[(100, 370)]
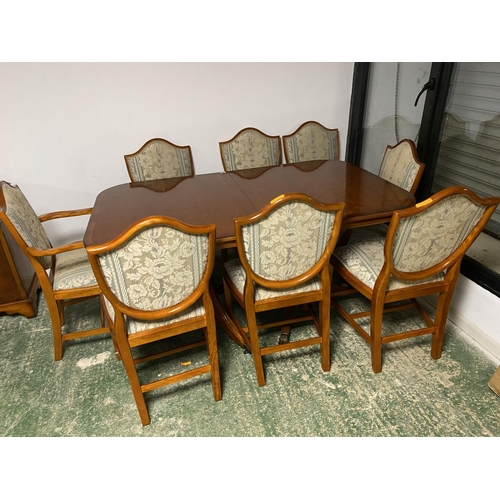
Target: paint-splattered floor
[(88, 394)]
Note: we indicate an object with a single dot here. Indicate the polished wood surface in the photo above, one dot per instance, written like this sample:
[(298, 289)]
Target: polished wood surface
[(219, 198)]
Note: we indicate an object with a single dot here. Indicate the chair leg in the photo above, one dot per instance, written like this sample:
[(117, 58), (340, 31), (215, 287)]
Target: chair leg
[(254, 342), (285, 329), (128, 363), (55, 318), (442, 309), (376, 336), (324, 321), (213, 358)]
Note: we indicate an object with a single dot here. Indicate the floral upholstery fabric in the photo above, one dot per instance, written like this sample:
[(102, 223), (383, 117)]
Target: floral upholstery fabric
[(237, 275), (156, 268), (159, 160), (288, 241), (364, 258), (25, 220), (134, 325), (429, 237), (421, 241), (250, 149), (312, 142), (399, 166), (73, 270)]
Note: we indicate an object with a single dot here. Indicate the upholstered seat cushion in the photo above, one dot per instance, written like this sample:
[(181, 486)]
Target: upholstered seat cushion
[(237, 275), (136, 325), (73, 270), (364, 258)]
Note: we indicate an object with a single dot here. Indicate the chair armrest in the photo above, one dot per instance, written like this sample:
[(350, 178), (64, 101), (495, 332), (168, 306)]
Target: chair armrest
[(65, 213), (54, 251)]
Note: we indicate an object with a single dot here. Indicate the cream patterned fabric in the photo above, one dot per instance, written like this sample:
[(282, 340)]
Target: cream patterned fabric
[(159, 160), (422, 241), (26, 221), (399, 166), (157, 268), (134, 325), (288, 241), (429, 237), (312, 142), (73, 270), (237, 275), (250, 149), (364, 258)]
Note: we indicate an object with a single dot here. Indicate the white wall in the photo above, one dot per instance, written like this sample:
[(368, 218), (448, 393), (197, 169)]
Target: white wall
[(64, 127)]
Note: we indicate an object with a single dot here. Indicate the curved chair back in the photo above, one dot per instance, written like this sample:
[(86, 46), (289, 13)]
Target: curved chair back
[(401, 166), (311, 141), (250, 148), (156, 268), (159, 159), (21, 215), (289, 241), (430, 237)]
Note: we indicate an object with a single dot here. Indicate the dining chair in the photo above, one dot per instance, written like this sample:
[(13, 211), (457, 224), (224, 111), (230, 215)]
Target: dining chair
[(311, 141), (283, 261), (401, 166), (159, 159), (250, 148), (63, 272), (418, 254), (155, 280)]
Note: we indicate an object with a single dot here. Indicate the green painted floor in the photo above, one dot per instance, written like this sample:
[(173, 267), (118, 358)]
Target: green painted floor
[(88, 394)]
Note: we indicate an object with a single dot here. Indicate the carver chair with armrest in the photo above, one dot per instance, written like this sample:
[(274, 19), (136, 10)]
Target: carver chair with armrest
[(311, 141), (155, 280), (250, 148), (64, 272), (159, 159), (419, 254), (284, 251)]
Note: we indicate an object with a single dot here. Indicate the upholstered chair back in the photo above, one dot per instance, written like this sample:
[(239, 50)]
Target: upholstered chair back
[(159, 159), (311, 141), (156, 268), (429, 237), (26, 221), (400, 165), (287, 242), (250, 148)]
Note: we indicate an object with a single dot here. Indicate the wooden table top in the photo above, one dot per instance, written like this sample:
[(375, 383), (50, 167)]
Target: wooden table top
[(221, 197)]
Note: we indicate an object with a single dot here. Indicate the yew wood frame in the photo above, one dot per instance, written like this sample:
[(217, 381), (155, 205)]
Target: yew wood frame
[(251, 306), (380, 296), (57, 300), (126, 342)]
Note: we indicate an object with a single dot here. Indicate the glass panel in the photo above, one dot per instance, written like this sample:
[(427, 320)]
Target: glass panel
[(469, 153), (390, 114)]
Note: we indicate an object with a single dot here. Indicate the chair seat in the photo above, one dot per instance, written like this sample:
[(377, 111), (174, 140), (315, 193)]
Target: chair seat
[(136, 325), (236, 273), (73, 270), (364, 257)]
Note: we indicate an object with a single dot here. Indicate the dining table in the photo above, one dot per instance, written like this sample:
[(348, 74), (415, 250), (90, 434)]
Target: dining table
[(223, 196)]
